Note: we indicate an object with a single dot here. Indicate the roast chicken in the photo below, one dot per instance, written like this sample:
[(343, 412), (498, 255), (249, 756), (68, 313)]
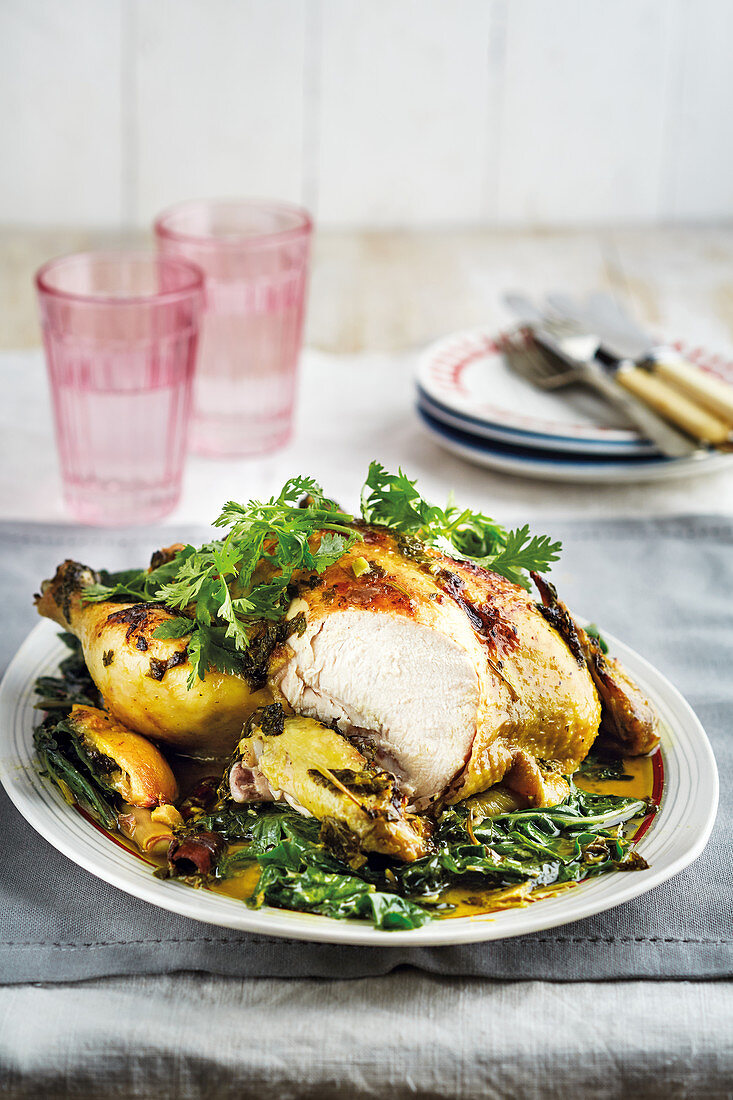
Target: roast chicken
[(443, 675)]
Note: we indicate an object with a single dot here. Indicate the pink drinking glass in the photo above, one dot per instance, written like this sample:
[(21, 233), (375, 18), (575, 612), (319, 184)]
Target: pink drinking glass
[(254, 255), (120, 332)]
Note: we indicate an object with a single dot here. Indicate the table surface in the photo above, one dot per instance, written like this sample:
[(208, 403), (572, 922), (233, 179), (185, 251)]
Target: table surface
[(376, 299)]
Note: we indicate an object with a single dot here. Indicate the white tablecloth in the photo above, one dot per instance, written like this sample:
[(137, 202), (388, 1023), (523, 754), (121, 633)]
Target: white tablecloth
[(351, 409), (402, 1036)]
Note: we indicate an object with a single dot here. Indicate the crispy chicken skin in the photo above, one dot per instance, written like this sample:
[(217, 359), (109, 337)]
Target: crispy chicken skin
[(629, 725), (448, 673), (143, 679)]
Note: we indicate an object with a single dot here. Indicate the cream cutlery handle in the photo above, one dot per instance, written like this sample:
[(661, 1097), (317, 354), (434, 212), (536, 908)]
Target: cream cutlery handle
[(710, 392), (670, 440), (674, 405)]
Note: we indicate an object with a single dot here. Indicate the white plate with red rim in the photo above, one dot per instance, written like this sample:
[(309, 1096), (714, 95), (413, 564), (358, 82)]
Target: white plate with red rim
[(466, 376), (551, 465), (676, 836)]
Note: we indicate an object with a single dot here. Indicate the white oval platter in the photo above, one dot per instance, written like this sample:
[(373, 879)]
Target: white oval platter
[(677, 835)]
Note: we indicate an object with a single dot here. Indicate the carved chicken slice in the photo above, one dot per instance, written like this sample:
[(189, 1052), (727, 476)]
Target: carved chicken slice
[(319, 773), (447, 674), (143, 679)]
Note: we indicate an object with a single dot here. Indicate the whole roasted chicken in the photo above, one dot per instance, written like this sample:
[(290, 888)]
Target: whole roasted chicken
[(441, 675)]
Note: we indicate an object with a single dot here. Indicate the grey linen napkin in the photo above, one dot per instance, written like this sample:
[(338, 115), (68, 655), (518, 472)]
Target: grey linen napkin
[(665, 586)]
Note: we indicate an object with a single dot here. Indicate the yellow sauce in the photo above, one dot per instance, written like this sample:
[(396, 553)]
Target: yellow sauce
[(240, 886), (471, 903), (640, 768)]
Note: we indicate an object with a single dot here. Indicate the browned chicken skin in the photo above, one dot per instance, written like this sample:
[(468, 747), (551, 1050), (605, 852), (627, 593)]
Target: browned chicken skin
[(629, 725)]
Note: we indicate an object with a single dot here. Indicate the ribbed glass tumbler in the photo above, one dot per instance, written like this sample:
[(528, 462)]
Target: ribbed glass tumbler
[(254, 255), (120, 331)]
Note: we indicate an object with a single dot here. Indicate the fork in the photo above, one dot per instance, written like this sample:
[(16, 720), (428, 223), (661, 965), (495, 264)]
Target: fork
[(705, 404), (550, 369)]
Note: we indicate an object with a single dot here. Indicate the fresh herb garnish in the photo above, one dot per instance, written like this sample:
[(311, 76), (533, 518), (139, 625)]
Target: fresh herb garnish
[(229, 591), (230, 588), (393, 500)]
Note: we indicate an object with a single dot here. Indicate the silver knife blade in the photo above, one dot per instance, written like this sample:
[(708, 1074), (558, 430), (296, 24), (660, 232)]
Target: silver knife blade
[(619, 332)]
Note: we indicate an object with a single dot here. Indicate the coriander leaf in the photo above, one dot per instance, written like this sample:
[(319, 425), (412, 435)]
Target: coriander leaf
[(393, 500), (206, 652), (523, 551), (330, 549), (174, 628), (298, 487)]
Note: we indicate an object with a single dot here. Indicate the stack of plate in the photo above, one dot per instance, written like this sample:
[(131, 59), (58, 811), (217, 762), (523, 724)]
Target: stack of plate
[(474, 406)]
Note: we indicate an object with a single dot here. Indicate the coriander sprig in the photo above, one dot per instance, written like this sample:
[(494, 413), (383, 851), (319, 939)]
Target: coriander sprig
[(231, 586), (232, 592), (394, 500)]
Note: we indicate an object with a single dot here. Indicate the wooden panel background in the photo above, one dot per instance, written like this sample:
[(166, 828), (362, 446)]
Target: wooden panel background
[(390, 113)]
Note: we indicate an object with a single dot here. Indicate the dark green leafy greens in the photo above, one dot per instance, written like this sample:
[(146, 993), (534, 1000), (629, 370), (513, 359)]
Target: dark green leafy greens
[(599, 767), (57, 694), (61, 756), (582, 837), (63, 760), (299, 870)]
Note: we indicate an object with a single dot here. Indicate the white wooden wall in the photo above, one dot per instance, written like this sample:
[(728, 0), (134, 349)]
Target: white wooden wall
[(373, 113)]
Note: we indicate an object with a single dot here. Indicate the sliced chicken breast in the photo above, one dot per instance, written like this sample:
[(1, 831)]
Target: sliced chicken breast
[(445, 672), (410, 690)]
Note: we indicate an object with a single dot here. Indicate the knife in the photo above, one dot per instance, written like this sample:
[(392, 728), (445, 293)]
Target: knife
[(580, 350), (623, 339), (656, 392)]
